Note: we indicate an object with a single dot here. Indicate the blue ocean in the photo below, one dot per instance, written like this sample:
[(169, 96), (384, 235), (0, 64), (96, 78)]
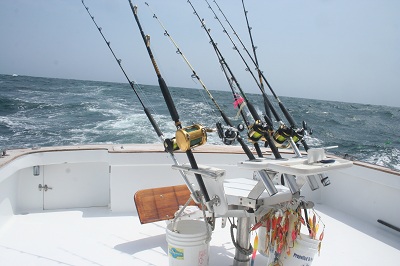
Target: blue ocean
[(38, 112)]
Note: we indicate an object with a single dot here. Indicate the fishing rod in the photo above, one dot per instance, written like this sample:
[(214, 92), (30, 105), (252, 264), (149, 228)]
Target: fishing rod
[(145, 109), (283, 133), (186, 138), (231, 133), (258, 126), (263, 175), (266, 101), (254, 134), (252, 45), (297, 152), (267, 110), (267, 104)]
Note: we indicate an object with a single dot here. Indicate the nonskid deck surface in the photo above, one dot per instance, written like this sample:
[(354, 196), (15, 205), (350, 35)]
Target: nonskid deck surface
[(97, 236)]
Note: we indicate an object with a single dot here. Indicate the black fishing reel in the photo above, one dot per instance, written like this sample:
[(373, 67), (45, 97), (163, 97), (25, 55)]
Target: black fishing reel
[(283, 133), (170, 145), (257, 131), (228, 134)]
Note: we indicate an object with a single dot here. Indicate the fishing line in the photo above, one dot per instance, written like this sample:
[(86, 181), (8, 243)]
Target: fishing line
[(232, 134), (145, 109), (183, 135), (258, 126)]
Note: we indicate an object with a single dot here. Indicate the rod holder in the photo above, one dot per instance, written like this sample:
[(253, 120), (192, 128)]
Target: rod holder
[(294, 147), (266, 179), (291, 183), (324, 179), (312, 182)]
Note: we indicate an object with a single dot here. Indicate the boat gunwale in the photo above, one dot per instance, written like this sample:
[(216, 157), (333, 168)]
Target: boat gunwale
[(13, 154)]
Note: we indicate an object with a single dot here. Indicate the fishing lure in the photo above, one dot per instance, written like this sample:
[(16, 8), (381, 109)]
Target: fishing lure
[(238, 101), (255, 247)]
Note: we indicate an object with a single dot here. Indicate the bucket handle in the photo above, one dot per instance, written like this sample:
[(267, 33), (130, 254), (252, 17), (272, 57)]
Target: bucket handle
[(179, 214), (174, 224)]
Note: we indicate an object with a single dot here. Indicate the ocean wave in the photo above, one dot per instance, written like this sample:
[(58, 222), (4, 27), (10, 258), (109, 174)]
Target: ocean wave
[(313, 142), (6, 121), (388, 158), (9, 106), (51, 112)]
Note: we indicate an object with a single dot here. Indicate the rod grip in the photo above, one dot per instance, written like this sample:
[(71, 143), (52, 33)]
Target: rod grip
[(276, 115), (268, 121), (168, 99), (245, 148), (305, 145), (226, 119), (267, 108), (253, 111), (258, 149), (271, 107), (199, 178), (287, 115), (272, 146), (153, 122)]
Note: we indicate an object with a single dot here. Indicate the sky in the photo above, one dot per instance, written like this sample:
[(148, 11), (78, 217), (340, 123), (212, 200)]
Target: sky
[(337, 50)]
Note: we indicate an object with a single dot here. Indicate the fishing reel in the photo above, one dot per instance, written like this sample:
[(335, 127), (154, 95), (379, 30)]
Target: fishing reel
[(257, 131), (187, 138), (228, 134), (283, 133), (190, 137), (170, 145)]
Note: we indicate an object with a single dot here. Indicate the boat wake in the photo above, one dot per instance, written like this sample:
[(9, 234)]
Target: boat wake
[(388, 158)]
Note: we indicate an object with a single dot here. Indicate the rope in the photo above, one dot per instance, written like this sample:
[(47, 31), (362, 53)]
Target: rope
[(245, 251)]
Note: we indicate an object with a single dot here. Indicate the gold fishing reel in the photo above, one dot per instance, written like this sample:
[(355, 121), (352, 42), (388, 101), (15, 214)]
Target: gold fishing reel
[(191, 137)]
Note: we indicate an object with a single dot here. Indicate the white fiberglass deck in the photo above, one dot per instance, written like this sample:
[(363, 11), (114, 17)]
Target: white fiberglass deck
[(97, 236)]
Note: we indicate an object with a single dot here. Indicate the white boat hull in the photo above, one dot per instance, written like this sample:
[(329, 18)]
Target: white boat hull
[(89, 217)]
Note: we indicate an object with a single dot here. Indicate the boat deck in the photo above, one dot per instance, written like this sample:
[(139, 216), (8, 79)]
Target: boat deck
[(97, 236)]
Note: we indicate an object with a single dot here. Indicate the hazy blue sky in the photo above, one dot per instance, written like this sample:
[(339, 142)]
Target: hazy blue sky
[(342, 50)]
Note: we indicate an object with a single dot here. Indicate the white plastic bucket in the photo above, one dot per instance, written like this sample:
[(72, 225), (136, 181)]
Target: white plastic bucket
[(188, 245), (271, 254), (301, 254), (261, 241), (305, 240)]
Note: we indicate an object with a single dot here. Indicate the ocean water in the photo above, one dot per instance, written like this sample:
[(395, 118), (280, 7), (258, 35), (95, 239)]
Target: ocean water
[(52, 112)]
